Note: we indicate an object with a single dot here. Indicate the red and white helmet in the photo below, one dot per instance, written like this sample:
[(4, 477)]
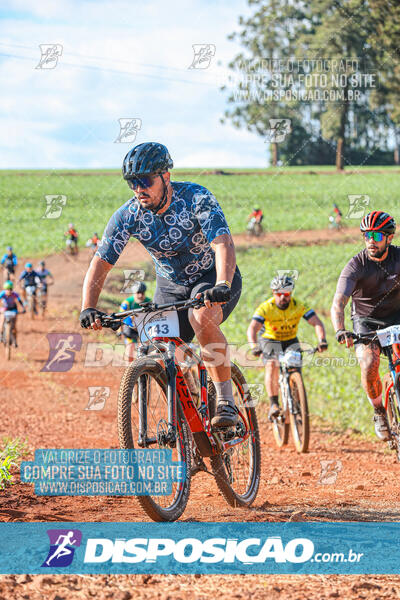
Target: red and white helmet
[(378, 220)]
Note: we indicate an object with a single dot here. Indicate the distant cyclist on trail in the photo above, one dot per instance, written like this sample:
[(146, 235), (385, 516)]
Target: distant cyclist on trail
[(28, 278), (43, 275), (138, 296), (336, 219), (372, 280), (72, 238), (184, 230), (9, 262), (9, 302), (93, 242), (255, 219), (279, 317)]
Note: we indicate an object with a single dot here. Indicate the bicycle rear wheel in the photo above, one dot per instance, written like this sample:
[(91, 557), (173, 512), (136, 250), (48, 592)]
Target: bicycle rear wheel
[(299, 421), (237, 470), (154, 379)]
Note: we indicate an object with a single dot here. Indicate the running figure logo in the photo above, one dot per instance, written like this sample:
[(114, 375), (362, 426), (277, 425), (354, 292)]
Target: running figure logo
[(62, 351), (97, 397), (131, 276), (203, 54), (330, 470), (279, 129), (63, 543), (358, 205), (128, 129), (55, 204), (50, 55)]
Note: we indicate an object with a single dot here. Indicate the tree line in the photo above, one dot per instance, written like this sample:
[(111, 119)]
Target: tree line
[(329, 67)]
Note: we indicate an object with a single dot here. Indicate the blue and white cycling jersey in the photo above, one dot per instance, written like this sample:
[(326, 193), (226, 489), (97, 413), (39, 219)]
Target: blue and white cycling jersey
[(178, 240)]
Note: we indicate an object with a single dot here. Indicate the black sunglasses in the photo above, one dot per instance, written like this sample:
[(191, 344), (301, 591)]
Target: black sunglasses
[(144, 181)]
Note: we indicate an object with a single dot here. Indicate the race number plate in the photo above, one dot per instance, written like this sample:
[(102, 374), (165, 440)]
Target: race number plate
[(161, 324), (389, 335)]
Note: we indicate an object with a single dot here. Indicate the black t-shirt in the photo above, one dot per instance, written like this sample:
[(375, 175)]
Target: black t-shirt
[(373, 286)]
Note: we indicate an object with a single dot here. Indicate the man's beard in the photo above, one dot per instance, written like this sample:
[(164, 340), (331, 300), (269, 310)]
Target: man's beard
[(283, 305), (380, 253)]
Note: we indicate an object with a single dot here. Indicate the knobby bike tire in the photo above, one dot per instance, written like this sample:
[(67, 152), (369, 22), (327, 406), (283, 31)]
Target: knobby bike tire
[(218, 465), (153, 370), (301, 438), (281, 425), (392, 415), (7, 333)]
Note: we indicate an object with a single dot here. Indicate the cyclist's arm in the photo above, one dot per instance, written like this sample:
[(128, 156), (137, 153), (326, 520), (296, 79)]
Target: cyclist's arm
[(253, 329), (318, 325), (337, 310), (94, 282), (225, 257)]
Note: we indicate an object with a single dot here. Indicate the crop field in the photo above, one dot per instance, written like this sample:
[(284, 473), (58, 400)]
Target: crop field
[(290, 201)]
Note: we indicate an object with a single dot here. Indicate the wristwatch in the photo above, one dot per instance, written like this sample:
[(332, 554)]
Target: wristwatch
[(227, 283)]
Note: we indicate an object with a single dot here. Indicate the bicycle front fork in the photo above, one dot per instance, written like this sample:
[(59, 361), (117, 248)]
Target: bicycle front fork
[(165, 436)]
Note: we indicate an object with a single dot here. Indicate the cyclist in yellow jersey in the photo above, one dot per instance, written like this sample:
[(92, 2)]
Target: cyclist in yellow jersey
[(277, 319)]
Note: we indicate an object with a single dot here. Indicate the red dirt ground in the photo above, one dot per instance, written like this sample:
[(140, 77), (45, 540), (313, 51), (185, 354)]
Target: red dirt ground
[(48, 409)]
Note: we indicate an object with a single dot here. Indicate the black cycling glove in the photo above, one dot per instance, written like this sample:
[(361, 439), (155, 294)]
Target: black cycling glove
[(256, 351), (218, 293), (341, 335), (322, 345), (88, 317)]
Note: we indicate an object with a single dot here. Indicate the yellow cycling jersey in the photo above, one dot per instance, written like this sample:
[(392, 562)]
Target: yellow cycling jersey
[(281, 324)]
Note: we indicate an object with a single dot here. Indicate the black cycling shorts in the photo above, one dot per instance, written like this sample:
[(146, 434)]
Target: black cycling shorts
[(168, 291), (272, 348)]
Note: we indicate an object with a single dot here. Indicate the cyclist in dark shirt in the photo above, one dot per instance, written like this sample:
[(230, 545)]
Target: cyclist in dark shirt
[(372, 280), (28, 277), (184, 229)]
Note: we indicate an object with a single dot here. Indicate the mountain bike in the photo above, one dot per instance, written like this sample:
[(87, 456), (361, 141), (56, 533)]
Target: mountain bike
[(156, 410), (254, 229), (42, 297), (388, 339), (293, 402), (9, 333), (31, 300)]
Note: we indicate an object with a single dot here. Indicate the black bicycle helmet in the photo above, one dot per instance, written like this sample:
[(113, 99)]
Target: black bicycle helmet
[(139, 287), (377, 220), (146, 159)]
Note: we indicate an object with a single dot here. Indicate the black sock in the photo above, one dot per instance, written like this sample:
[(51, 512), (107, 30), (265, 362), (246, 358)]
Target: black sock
[(273, 400)]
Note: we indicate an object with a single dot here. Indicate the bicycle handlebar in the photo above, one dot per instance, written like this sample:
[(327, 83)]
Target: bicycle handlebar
[(148, 307)]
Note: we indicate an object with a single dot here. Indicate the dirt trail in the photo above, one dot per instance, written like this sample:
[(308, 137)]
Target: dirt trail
[(49, 409), (301, 237)]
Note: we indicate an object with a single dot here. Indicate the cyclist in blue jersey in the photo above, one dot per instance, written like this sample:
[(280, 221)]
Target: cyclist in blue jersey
[(184, 229), (28, 278), (9, 302), (43, 275), (9, 262)]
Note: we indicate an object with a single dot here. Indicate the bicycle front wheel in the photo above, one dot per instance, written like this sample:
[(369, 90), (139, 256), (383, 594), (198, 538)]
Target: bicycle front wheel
[(299, 418), (153, 382), (392, 415), (280, 424), (7, 338), (237, 470)]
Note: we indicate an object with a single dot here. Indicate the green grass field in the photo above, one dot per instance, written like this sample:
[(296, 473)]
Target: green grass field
[(289, 201), (333, 381)]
